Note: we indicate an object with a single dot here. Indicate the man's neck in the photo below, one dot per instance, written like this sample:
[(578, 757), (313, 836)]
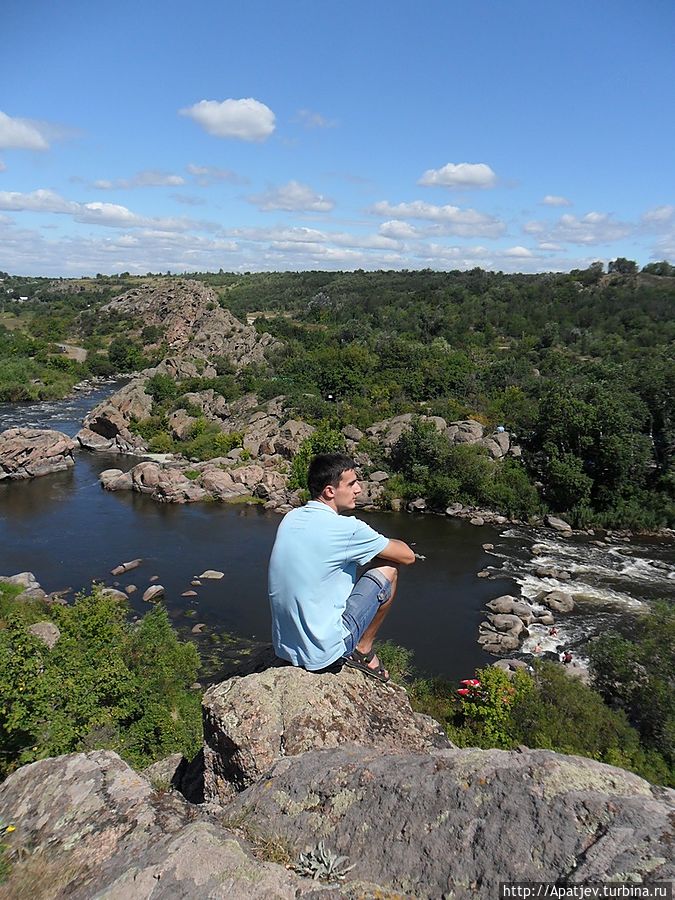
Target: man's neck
[(331, 504)]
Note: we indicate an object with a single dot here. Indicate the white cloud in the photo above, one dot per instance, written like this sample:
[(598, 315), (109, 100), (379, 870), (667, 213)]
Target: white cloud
[(188, 200), (207, 175), (593, 228), (460, 175), (555, 200), (314, 120), (452, 219), (293, 196), (518, 253), (3, 167), (37, 201), (399, 230), (246, 119), (254, 249), (109, 214), (659, 216), (146, 178), (21, 134)]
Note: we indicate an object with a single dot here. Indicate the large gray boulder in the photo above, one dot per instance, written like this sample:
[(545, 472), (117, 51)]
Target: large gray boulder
[(508, 605), (456, 823), (251, 722), (557, 601), (88, 826), (31, 452)]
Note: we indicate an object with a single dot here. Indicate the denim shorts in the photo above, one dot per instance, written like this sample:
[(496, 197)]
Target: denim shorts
[(372, 589)]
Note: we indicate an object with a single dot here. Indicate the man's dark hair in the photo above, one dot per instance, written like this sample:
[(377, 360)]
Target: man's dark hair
[(325, 469)]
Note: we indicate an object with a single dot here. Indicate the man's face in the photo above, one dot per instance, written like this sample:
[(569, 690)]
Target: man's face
[(347, 491)]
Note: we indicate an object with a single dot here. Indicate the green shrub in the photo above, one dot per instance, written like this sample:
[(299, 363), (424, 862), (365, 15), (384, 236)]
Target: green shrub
[(324, 440), (161, 388), (150, 427), (209, 441), (105, 683), (547, 709), (162, 443), (636, 676), (98, 364)]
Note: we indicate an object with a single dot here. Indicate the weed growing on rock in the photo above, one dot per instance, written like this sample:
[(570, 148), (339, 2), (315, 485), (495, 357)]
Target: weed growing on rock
[(322, 864)]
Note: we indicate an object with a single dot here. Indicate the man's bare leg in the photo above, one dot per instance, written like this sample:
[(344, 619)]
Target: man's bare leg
[(365, 645)]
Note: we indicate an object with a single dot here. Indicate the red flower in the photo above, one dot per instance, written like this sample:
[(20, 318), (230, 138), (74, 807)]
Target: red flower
[(463, 691)]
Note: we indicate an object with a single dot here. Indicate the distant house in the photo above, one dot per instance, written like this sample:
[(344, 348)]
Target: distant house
[(23, 299)]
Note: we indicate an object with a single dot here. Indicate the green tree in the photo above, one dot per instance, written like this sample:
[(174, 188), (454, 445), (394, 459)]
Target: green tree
[(324, 440), (622, 266), (637, 676)]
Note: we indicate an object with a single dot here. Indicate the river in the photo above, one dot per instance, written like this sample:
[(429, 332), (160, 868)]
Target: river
[(69, 532)]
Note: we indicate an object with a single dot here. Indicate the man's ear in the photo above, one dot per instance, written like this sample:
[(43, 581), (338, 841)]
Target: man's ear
[(328, 492)]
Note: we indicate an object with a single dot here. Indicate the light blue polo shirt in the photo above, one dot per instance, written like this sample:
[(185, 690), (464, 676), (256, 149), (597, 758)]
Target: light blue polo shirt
[(312, 572)]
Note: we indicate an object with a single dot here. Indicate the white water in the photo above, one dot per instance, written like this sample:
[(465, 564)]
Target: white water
[(609, 582)]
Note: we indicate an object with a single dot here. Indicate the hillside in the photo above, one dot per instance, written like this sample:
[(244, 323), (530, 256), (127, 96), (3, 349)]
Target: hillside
[(579, 367)]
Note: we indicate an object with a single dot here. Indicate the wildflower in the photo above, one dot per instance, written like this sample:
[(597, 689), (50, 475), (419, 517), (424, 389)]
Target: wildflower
[(463, 691), (471, 682)]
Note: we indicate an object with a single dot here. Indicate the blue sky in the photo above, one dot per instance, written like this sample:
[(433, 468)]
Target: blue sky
[(523, 136)]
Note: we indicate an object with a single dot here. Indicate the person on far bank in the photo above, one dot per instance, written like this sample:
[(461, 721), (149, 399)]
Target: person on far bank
[(321, 613)]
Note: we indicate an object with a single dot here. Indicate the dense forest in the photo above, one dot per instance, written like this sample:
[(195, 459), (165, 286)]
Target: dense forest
[(578, 366)]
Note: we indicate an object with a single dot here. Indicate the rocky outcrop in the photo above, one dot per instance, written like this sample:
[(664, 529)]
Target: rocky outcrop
[(508, 605), (340, 761), (47, 632), (106, 427), (251, 722), (87, 825), (510, 618), (197, 330), (31, 452), (193, 323), (457, 822), (217, 479)]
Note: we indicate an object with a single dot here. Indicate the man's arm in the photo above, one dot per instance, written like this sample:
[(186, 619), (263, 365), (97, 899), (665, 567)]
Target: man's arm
[(398, 552)]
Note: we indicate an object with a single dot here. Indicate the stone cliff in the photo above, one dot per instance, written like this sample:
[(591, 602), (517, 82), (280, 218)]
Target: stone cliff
[(299, 770)]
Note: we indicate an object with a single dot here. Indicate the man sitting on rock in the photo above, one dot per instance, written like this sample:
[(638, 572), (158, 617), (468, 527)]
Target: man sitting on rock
[(321, 613)]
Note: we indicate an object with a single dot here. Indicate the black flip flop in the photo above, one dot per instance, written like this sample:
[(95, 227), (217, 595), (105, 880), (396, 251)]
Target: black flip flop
[(358, 660)]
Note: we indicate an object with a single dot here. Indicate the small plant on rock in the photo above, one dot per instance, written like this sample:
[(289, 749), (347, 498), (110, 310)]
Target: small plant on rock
[(322, 864)]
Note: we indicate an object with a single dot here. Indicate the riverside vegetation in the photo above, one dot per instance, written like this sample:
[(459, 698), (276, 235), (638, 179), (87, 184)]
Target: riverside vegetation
[(578, 366), (107, 683), (625, 718)]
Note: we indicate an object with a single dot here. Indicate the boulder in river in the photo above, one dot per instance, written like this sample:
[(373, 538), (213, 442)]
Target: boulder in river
[(116, 480), (126, 567), (558, 524), (31, 452), (557, 601), (154, 593)]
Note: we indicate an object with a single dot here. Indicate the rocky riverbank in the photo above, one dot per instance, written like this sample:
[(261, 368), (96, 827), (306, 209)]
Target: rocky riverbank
[(31, 452), (328, 785)]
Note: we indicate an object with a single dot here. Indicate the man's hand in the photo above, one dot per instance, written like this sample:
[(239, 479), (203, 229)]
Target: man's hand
[(398, 552)]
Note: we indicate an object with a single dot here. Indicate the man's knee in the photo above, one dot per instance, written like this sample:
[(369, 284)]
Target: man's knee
[(389, 571)]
